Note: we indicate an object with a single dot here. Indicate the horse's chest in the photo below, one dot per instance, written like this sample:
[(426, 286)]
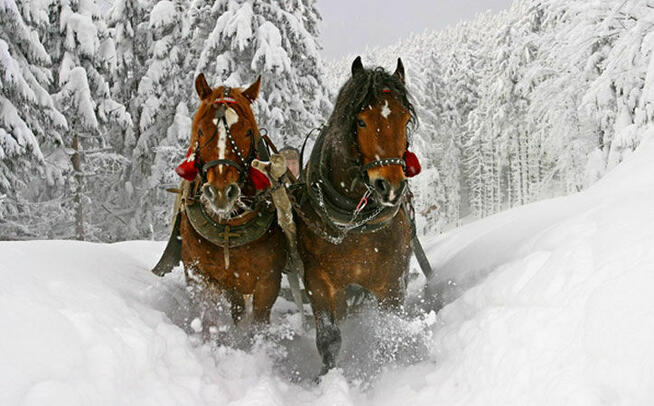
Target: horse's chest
[(261, 260), (361, 258)]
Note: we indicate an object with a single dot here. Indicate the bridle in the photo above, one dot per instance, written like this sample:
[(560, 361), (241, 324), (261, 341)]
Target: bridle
[(340, 212), (377, 163), (245, 163)]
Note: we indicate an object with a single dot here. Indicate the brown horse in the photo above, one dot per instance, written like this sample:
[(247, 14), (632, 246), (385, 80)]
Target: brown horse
[(230, 241), (354, 226)]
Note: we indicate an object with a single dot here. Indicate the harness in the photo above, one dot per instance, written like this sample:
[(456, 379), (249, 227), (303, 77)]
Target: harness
[(340, 213), (226, 235), (244, 164), (343, 215)]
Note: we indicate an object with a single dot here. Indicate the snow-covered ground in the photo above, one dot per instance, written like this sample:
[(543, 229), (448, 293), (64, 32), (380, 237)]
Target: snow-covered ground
[(550, 304)]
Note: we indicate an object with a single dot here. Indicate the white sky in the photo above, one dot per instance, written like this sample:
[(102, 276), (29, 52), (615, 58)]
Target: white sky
[(349, 26)]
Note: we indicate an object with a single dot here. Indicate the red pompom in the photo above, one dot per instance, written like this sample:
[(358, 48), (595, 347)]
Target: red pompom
[(187, 169), (259, 180), (412, 164)]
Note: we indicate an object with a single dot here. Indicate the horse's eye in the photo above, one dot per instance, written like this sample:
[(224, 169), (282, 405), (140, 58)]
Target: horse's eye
[(362, 124)]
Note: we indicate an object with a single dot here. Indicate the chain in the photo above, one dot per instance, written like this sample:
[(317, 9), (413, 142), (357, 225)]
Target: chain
[(345, 228), (342, 230), (310, 224)]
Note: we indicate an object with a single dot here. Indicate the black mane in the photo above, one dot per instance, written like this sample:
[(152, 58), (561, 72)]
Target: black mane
[(336, 153), (363, 89)]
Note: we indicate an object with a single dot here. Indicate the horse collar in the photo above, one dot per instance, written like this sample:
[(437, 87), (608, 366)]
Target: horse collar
[(340, 212), (226, 234)]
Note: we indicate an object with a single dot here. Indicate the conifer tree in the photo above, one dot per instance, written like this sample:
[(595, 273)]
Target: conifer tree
[(82, 53), (279, 41), (165, 90), (28, 118)]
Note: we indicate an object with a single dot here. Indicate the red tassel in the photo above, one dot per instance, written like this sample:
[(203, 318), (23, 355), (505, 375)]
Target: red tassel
[(412, 164), (187, 169), (259, 180)]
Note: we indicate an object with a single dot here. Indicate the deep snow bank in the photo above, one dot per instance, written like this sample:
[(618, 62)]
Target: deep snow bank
[(550, 304)]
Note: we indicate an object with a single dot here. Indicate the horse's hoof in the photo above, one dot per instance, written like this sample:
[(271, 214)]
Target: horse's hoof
[(319, 377), (325, 369)]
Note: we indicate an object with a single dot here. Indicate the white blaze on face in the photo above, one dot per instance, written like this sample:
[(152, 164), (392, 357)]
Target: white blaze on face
[(232, 118), (386, 111)]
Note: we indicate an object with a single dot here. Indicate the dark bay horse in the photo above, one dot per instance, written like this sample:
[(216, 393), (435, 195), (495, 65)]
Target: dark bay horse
[(230, 241), (353, 223)]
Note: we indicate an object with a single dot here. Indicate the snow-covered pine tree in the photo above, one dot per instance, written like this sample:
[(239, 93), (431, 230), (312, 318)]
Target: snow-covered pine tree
[(129, 27), (480, 152), (279, 41), (553, 116), (166, 90), (521, 149), (81, 53), (617, 92), (28, 118), (438, 123), (462, 92)]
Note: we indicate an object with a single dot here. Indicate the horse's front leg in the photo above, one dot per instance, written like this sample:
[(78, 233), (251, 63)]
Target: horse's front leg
[(391, 298), (265, 294), (237, 305), (329, 307)]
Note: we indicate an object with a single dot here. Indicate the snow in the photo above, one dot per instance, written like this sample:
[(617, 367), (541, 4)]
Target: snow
[(546, 304), (270, 50), (12, 75), (385, 110), (76, 86), (163, 14)]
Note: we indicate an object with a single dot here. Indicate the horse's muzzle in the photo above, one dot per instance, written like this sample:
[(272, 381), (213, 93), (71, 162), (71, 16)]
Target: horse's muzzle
[(221, 200), (387, 193)]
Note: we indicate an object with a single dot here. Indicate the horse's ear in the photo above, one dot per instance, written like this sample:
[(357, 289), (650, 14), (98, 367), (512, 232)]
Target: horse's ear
[(399, 71), (202, 87), (252, 92), (357, 66)]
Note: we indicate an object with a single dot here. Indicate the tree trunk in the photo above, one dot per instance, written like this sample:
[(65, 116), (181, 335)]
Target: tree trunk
[(77, 199)]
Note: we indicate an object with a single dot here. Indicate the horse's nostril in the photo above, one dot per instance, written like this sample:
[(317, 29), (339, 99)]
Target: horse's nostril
[(209, 191), (382, 186), (233, 191)]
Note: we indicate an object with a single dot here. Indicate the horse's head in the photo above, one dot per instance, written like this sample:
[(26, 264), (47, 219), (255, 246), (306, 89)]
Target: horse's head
[(223, 137), (381, 131)]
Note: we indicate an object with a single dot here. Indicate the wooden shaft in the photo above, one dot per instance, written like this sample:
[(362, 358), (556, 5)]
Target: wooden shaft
[(276, 151)]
